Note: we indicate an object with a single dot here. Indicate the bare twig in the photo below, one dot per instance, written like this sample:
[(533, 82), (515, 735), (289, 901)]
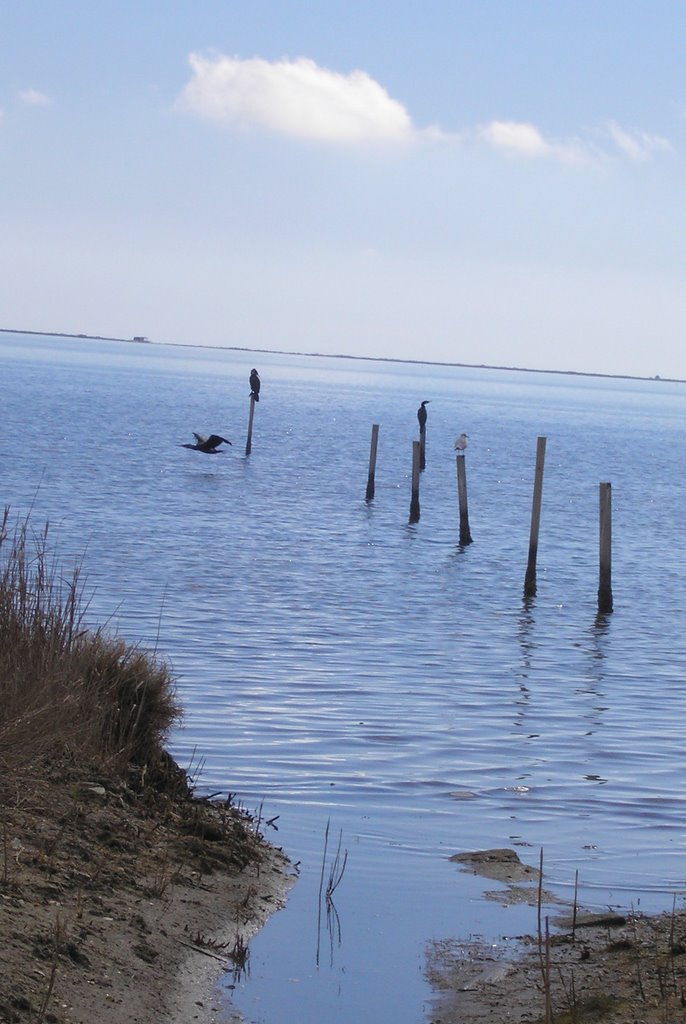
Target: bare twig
[(205, 952), (539, 920), (548, 996)]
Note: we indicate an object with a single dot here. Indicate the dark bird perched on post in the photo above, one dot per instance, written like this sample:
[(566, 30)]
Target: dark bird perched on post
[(421, 414), (209, 445), (255, 384)]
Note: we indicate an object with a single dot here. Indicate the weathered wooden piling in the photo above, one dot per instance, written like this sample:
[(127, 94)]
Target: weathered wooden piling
[(465, 535), (605, 576), (414, 500), (248, 443), (372, 462), (530, 577)]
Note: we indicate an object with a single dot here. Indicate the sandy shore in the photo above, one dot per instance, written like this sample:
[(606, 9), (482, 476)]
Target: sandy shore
[(123, 907)]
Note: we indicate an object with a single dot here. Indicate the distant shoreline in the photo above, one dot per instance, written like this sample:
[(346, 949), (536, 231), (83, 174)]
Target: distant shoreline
[(138, 340)]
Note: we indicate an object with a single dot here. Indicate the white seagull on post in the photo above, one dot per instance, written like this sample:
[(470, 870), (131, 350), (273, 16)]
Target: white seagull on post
[(461, 443)]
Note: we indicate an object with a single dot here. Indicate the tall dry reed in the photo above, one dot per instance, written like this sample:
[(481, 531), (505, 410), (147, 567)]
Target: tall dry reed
[(64, 688)]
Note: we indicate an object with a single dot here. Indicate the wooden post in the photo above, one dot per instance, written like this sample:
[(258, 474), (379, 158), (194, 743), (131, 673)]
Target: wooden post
[(530, 578), (605, 578), (248, 443), (465, 535), (372, 462), (414, 501), (422, 448)]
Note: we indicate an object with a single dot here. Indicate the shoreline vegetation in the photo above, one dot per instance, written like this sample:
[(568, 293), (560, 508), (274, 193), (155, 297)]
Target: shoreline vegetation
[(340, 355), (123, 896)]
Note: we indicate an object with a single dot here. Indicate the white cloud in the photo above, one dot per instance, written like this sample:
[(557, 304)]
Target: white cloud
[(525, 139), (300, 99), (297, 98), (35, 98), (635, 144)]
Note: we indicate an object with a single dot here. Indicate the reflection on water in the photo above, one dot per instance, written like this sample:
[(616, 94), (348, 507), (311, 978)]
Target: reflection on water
[(338, 665)]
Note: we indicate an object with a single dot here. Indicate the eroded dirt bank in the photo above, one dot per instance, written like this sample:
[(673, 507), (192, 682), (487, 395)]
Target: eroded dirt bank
[(122, 902)]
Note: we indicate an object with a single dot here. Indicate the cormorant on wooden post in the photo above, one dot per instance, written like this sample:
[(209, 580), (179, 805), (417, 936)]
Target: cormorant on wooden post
[(208, 445), (421, 416), (255, 385)]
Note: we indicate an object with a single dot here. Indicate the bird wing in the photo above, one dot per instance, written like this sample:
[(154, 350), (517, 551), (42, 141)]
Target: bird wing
[(214, 440), (199, 438)]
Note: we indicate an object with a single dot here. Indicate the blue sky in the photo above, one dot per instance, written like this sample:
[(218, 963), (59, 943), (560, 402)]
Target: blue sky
[(484, 182)]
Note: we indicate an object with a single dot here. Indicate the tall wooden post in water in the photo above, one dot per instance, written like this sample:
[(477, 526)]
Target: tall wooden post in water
[(414, 500), (248, 443), (465, 535), (372, 462), (530, 577), (605, 577)]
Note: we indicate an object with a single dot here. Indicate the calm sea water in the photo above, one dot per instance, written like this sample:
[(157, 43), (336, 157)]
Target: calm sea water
[(338, 665)]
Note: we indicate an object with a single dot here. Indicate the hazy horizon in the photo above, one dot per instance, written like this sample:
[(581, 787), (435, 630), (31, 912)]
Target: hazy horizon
[(340, 355)]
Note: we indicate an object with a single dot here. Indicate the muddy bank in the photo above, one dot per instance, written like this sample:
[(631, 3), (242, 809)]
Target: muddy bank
[(579, 967), (120, 904), (630, 973)]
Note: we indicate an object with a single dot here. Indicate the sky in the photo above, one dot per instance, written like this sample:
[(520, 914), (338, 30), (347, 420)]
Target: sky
[(494, 182)]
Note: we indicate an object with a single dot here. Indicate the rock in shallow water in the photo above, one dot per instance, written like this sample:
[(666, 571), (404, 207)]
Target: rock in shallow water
[(502, 865)]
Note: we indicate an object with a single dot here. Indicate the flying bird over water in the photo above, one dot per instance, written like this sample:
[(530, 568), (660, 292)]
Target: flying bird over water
[(209, 445), (422, 413), (255, 385), (461, 443)]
